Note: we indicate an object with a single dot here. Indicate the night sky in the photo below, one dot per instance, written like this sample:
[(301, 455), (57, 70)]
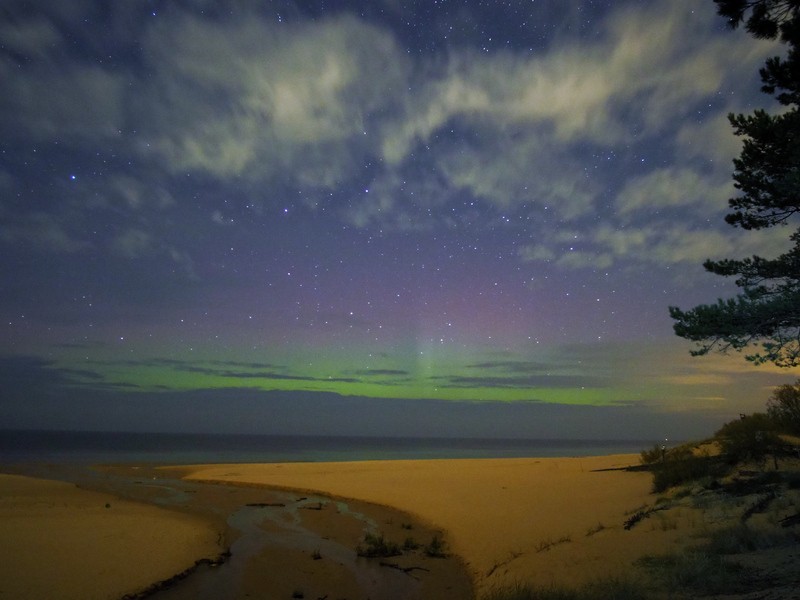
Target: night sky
[(370, 217)]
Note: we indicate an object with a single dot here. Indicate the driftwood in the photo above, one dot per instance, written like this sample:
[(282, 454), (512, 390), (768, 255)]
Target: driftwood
[(169, 582), (641, 514), (759, 506), (406, 570), (791, 520)]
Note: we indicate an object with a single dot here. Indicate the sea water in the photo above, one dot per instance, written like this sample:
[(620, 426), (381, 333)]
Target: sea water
[(196, 448)]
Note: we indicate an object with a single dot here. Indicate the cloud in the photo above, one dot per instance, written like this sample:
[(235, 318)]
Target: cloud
[(34, 39), (23, 375), (657, 238), (440, 100), (692, 379), (711, 141), (328, 106), (663, 376), (49, 100), (664, 245), (657, 59), (382, 372), (672, 188), (246, 97), (25, 370), (622, 241), (530, 115), (555, 372), (536, 253), (673, 244), (240, 370), (527, 167), (124, 191), (512, 366), (676, 245), (531, 382), (566, 90), (134, 243), (228, 373), (42, 231), (400, 203)]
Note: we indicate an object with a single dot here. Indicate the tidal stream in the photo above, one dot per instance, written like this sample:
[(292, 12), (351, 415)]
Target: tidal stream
[(278, 539), (287, 532)]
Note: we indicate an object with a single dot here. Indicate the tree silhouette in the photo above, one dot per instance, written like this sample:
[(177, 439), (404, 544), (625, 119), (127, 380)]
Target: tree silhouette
[(767, 175), (783, 407)]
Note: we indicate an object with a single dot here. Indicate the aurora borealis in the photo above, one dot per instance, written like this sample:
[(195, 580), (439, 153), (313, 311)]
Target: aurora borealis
[(451, 218)]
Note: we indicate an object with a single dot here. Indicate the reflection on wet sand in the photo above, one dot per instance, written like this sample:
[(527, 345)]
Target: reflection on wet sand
[(284, 544)]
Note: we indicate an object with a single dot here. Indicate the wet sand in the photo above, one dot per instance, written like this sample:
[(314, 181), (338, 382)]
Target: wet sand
[(550, 520), (288, 544), (283, 544)]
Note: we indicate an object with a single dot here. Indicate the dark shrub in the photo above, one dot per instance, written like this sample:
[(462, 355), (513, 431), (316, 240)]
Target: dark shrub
[(653, 455), (752, 437), (783, 407), (675, 472)]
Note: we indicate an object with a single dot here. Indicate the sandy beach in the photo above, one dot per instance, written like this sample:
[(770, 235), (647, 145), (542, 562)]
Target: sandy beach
[(556, 520), (58, 541), (61, 541), (294, 528), (546, 520)]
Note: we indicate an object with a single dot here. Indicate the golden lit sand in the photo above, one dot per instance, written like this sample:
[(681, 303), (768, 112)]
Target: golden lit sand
[(546, 520), (58, 541), (540, 521)]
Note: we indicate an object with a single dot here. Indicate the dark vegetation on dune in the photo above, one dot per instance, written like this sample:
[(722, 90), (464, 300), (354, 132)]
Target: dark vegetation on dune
[(750, 471)]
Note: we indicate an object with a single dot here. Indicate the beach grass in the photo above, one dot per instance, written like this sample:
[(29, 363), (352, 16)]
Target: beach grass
[(436, 548), (602, 589), (741, 538), (697, 573), (377, 546)]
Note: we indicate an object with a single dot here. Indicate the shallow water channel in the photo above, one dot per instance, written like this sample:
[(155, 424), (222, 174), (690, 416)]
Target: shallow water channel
[(266, 526), (287, 532)]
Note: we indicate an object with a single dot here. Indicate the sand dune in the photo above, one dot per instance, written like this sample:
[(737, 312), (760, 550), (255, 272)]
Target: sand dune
[(58, 541)]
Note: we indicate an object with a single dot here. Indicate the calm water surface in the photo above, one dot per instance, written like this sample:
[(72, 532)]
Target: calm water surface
[(115, 447)]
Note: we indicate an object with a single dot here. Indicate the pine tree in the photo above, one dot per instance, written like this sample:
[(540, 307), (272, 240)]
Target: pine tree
[(767, 175)]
